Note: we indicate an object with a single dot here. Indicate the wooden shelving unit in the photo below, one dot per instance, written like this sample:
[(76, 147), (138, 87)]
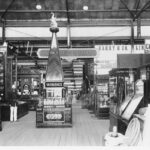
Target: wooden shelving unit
[(2, 75)]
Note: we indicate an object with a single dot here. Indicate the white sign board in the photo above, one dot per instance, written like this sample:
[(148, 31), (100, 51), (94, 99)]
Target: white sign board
[(106, 58)]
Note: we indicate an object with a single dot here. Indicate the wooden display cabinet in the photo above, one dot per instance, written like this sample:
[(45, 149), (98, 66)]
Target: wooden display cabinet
[(121, 84), (29, 86), (102, 104)]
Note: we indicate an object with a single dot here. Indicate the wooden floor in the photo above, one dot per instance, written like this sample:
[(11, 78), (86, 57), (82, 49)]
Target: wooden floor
[(87, 130)]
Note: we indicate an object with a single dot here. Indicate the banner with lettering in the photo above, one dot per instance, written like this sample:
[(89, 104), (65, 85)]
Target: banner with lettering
[(106, 58)]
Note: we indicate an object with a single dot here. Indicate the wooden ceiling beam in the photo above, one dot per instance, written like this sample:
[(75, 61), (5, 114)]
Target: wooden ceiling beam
[(108, 4), (70, 11), (137, 5), (144, 8), (6, 10), (67, 9), (126, 6), (75, 23), (115, 5)]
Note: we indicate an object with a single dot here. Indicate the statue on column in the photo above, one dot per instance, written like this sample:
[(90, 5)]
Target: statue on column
[(53, 23)]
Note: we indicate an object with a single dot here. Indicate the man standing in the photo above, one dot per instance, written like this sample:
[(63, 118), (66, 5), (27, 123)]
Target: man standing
[(13, 110), (13, 106)]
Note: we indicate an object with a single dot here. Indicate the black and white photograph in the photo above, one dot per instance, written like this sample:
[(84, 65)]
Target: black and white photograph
[(75, 73)]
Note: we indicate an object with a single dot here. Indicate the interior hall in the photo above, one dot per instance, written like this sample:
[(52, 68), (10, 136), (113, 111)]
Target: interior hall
[(75, 73)]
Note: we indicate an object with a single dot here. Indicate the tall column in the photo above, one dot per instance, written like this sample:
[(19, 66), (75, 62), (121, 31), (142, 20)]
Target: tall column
[(54, 71)]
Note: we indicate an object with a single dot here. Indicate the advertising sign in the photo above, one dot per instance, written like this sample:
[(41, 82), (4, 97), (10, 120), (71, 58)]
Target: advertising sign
[(106, 58), (54, 84), (54, 114), (54, 101)]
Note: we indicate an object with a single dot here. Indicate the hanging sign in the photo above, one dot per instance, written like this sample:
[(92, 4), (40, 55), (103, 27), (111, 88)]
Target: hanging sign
[(69, 52), (122, 48)]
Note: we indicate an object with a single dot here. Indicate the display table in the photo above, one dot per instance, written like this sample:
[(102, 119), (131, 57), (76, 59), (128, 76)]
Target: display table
[(21, 111)]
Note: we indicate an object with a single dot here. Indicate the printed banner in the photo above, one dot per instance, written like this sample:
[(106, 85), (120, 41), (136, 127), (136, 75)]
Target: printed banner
[(106, 58), (52, 114)]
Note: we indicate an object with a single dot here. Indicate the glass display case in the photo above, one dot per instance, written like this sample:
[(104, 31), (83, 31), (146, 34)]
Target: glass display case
[(121, 87), (121, 91), (102, 99), (102, 89), (112, 86), (129, 93)]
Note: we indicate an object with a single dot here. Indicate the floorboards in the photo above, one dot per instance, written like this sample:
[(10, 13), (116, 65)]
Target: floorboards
[(87, 130)]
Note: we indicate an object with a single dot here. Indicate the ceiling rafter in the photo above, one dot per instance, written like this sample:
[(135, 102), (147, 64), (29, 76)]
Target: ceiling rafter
[(147, 5), (6, 10), (70, 11), (126, 6), (137, 5), (137, 13)]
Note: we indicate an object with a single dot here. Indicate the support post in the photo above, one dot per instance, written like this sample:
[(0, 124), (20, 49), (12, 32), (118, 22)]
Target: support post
[(3, 30), (68, 36), (132, 36)]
